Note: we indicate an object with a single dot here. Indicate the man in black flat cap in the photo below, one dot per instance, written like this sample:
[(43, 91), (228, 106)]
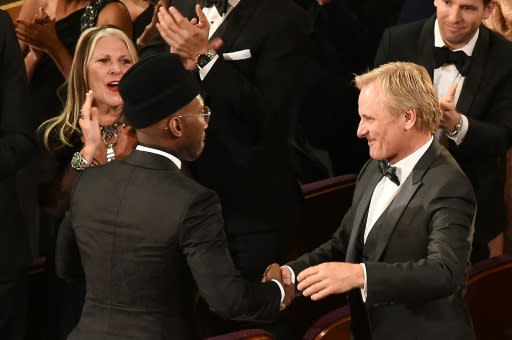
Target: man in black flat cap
[(146, 234)]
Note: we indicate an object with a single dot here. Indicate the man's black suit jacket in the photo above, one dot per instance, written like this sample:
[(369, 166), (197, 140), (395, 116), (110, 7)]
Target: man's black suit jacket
[(485, 99), (147, 236), (16, 146), (247, 152), (416, 254)]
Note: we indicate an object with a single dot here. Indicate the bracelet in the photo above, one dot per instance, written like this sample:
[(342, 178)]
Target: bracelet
[(78, 162), (456, 130)]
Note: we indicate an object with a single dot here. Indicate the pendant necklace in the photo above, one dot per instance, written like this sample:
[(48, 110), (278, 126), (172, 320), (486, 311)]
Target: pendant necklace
[(109, 134)]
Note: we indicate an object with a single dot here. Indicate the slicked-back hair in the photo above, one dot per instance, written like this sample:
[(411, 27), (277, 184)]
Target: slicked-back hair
[(405, 86)]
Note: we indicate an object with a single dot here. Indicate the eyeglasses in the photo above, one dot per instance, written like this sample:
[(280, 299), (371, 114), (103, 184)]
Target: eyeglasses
[(206, 113)]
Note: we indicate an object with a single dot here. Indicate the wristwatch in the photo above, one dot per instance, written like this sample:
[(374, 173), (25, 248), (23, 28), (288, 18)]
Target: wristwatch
[(456, 129), (78, 162), (205, 58)]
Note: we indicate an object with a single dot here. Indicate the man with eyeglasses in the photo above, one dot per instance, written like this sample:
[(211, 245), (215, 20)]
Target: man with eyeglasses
[(148, 237), (248, 55)]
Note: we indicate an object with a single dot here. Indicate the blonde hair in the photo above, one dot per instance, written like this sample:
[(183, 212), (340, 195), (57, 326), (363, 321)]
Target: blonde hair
[(406, 86), (66, 123)]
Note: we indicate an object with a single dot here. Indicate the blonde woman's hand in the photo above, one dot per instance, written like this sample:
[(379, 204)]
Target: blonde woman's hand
[(90, 127)]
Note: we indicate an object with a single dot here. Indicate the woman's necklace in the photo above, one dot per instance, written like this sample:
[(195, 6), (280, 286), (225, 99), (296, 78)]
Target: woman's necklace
[(109, 134)]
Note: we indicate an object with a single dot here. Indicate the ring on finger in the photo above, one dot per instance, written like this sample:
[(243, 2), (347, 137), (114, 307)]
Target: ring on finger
[(81, 114)]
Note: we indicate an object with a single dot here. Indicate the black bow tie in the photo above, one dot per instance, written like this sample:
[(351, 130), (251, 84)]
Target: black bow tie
[(389, 171), (443, 55), (221, 5)]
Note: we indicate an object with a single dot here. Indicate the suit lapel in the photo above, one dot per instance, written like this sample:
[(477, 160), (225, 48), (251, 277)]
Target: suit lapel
[(474, 77), (426, 46), (234, 23), (380, 234), (186, 7), (375, 176)]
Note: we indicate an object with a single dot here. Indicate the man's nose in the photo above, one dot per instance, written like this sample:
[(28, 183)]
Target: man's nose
[(454, 14), (362, 131)]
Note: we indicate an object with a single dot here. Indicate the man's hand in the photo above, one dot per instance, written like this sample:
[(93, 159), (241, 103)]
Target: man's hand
[(450, 115), (273, 272), (188, 38), (329, 278)]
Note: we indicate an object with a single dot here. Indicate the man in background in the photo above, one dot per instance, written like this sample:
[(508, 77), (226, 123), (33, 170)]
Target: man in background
[(16, 147)]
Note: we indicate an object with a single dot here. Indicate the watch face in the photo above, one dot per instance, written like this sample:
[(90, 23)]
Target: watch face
[(202, 60)]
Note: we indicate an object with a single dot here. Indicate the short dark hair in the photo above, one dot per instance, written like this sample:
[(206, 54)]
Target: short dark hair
[(486, 2)]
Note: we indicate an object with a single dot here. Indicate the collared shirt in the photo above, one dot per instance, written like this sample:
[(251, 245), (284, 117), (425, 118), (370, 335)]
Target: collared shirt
[(215, 20), (446, 75), (167, 155)]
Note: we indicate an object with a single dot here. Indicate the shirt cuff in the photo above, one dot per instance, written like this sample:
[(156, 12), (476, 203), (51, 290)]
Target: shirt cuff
[(292, 272), (462, 133), (364, 291), (203, 71), (280, 288)]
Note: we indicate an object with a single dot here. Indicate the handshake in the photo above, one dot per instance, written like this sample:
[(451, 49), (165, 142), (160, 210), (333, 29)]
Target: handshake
[(283, 275)]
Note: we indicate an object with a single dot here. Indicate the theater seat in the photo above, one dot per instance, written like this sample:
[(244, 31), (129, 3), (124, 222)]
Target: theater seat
[(489, 297), (325, 203), (244, 334), (334, 325)]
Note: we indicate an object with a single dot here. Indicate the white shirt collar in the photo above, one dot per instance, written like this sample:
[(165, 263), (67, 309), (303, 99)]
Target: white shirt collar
[(233, 3), (167, 155), (404, 166), (468, 48)]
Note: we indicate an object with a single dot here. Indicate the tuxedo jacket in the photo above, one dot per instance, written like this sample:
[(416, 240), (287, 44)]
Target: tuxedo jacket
[(147, 236), (250, 90), (16, 146), (416, 254), (485, 99)]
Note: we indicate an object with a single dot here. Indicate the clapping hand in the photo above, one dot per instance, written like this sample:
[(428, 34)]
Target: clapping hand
[(150, 30), (447, 105), (40, 34), (274, 272)]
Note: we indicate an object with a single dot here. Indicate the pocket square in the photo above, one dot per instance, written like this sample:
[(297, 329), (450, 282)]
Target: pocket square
[(237, 55)]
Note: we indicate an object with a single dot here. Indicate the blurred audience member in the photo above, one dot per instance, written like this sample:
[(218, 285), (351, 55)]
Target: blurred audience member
[(16, 145)]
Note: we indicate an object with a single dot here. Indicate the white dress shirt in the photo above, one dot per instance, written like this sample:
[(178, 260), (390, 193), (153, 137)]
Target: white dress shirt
[(446, 75), (215, 20)]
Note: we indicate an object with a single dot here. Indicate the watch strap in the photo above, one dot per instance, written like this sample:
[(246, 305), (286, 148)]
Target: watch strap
[(204, 58)]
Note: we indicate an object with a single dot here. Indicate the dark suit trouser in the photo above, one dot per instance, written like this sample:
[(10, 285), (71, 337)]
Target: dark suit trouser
[(252, 253), (13, 308)]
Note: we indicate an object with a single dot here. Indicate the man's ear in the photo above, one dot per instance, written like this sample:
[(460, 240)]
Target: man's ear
[(410, 119), (175, 127), (489, 8)]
